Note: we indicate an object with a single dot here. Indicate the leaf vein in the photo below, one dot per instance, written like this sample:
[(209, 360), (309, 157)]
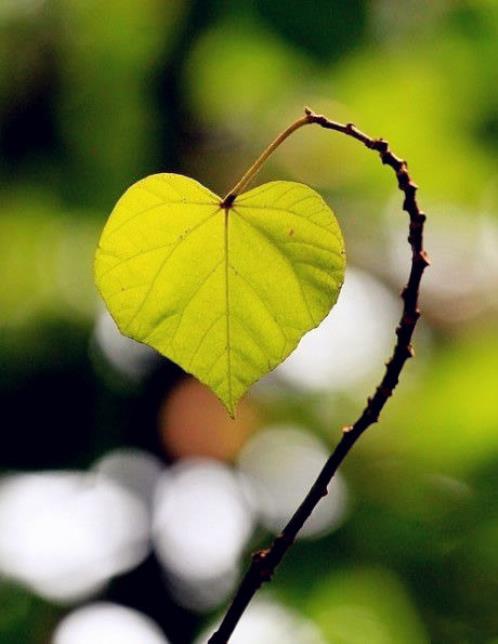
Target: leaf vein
[(261, 299), (286, 259), (125, 260), (203, 337), (191, 297), (293, 212), (164, 263), (159, 205)]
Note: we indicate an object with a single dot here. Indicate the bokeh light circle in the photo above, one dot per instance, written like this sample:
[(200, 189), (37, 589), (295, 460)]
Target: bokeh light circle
[(65, 534), (201, 519), (106, 623), (267, 622)]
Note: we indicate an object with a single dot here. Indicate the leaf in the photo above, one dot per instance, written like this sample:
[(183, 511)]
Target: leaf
[(226, 294)]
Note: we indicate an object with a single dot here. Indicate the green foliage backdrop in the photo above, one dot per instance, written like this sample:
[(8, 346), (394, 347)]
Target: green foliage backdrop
[(93, 97)]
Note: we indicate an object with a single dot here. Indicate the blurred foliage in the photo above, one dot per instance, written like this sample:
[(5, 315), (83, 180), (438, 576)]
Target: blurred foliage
[(94, 96)]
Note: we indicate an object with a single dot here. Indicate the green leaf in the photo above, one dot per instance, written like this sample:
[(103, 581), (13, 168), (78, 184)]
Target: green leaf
[(226, 294)]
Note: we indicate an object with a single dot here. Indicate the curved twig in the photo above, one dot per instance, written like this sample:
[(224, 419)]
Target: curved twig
[(265, 561)]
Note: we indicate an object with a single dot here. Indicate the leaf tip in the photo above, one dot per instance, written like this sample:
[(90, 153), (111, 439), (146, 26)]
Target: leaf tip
[(231, 408)]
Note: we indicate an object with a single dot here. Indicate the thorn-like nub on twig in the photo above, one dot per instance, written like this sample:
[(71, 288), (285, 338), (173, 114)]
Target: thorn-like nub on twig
[(264, 573), (409, 319), (384, 391), (422, 258)]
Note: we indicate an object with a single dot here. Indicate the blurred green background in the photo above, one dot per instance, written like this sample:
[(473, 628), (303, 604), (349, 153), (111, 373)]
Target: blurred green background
[(128, 501)]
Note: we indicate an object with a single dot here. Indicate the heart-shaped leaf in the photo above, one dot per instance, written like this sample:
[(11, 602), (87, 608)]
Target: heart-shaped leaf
[(225, 293)]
